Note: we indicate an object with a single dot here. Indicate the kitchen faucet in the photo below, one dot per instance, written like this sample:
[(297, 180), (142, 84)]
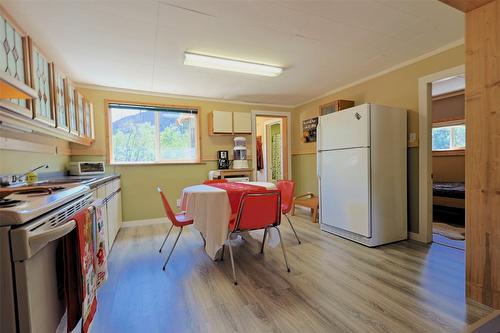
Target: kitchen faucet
[(38, 167)]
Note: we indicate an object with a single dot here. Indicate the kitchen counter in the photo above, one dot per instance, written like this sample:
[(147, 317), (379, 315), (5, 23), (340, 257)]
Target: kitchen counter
[(92, 181)]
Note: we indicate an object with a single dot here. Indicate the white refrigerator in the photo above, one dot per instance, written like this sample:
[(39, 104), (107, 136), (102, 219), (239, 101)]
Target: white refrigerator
[(361, 161)]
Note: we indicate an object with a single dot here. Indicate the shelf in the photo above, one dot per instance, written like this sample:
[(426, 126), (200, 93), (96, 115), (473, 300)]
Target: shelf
[(13, 88)]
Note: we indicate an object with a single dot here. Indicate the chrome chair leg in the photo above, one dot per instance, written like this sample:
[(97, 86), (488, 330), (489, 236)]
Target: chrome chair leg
[(291, 225), (222, 254), (283, 248), (173, 247), (168, 233), (263, 241), (232, 258)]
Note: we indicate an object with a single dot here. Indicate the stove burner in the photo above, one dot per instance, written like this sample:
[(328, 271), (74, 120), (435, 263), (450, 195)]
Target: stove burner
[(7, 203), (40, 190)]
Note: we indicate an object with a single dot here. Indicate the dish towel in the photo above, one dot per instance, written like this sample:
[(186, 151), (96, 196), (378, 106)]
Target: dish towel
[(101, 251), (80, 276)]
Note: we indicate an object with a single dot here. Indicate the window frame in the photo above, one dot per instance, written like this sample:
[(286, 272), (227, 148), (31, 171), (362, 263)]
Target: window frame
[(109, 133), (451, 151)]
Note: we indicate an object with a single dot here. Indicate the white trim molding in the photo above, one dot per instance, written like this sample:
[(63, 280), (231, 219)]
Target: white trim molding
[(167, 95), (425, 151), (388, 70)]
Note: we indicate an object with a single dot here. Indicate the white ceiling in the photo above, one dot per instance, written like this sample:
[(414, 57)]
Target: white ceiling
[(323, 44)]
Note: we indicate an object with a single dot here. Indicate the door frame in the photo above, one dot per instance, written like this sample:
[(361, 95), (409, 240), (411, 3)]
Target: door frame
[(425, 151), (268, 139), (278, 114)]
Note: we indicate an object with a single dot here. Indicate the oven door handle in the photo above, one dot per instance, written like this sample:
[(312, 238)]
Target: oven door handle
[(38, 240)]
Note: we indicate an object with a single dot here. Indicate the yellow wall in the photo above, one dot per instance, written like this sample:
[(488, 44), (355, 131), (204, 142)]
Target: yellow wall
[(140, 199), (15, 161), (397, 88)]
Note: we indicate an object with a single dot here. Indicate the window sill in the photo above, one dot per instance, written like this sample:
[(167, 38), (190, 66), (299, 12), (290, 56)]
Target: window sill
[(458, 152), (156, 163)]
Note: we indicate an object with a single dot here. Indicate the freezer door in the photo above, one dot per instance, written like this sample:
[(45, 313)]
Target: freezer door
[(348, 128), (344, 177)]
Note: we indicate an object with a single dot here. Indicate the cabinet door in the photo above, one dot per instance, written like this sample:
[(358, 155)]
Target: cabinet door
[(40, 81), (14, 60), (88, 118), (90, 109), (80, 113), (242, 123), (59, 98), (71, 107), (222, 122)]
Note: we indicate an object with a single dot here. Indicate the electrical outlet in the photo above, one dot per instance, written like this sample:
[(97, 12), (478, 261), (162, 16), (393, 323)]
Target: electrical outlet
[(179, 203)]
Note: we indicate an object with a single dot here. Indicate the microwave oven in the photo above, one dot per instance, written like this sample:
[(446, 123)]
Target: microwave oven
[(86, 168)]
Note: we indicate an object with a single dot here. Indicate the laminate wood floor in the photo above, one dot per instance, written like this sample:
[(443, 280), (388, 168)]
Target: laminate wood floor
[(334, 285)]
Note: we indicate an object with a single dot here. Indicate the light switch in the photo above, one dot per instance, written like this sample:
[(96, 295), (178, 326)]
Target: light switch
[(412, 137)]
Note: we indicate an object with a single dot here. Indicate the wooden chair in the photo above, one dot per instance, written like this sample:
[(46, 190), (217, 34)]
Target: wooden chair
[(257, 210), (308, 200)]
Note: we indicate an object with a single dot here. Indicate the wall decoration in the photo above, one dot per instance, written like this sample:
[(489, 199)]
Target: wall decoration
[(309, 130)]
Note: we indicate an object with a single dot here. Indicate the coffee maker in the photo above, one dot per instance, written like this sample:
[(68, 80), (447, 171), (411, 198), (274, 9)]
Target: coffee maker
[(223, 159)]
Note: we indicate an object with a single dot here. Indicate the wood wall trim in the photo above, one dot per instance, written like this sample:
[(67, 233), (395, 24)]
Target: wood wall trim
[(448, 95), (466, 5), (482, 161)]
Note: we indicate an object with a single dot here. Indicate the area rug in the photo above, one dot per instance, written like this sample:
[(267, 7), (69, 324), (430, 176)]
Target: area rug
[(448, 231)]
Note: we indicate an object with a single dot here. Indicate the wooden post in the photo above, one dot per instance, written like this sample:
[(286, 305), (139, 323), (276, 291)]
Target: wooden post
[(482, 158)]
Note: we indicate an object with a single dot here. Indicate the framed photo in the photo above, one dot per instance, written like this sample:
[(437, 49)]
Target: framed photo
[(309, 130)]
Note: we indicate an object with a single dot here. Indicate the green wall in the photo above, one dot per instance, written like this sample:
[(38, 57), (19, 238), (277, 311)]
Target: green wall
[(12, 161)]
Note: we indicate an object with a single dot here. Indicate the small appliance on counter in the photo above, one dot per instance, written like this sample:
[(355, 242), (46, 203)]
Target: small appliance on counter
[(223, 159), (85, 168), (240, 153)]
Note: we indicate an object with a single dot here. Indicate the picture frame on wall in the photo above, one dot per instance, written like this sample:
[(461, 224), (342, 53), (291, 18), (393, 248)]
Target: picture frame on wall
[(309, 127)]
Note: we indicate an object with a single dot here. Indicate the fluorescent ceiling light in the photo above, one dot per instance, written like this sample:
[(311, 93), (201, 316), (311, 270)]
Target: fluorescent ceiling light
[(201, 60)]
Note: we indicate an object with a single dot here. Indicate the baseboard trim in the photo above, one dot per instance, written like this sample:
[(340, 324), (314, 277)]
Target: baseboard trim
[(141, 223)]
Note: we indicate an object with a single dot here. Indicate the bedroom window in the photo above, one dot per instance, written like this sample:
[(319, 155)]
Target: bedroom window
[(144, 134), (448, 137)]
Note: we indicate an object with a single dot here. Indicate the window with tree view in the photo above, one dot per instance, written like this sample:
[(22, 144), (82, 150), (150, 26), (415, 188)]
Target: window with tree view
[(448, 137), (151, 134)]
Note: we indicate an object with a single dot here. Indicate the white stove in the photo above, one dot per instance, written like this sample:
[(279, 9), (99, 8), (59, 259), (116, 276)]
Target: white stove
[(32, 220), (30, 202)]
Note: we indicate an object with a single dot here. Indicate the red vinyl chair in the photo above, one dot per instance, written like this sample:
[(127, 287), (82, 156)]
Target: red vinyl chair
[(286, 187), (257, 210), (214, 181), (179, 220)]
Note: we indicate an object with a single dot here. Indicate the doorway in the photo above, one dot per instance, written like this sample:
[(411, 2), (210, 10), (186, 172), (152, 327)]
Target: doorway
[(269, 141), (271, 155), (425, 181), (448, 161)]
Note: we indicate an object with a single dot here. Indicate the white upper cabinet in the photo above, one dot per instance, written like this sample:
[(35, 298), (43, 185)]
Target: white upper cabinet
[(242, 123), (221, 122), (225, 122)]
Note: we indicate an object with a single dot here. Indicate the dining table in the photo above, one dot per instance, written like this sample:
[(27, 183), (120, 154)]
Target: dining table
[(211, 207)]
